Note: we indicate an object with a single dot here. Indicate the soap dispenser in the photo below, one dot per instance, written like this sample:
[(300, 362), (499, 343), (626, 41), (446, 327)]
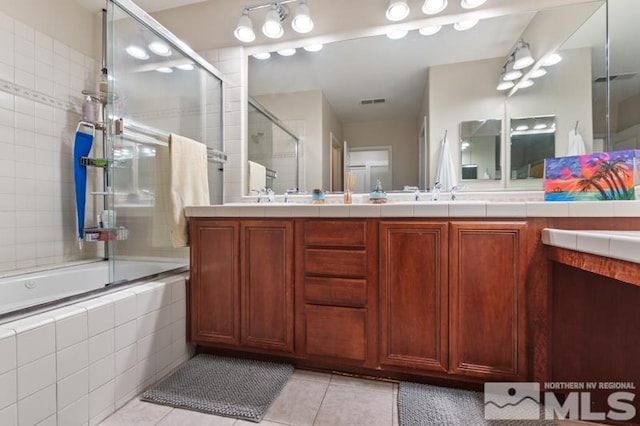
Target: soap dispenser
[(378, 196)]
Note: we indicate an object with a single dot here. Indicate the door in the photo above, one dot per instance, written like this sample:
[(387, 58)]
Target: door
[(214, 293), (414, 295), (487, 300), (267, 284)]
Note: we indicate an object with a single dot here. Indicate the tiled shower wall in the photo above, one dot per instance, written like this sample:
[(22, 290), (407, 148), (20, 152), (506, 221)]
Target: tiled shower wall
[(76, 365), (41, 81)]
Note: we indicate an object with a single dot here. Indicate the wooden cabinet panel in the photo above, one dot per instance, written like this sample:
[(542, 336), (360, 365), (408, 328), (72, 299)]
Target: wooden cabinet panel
[(337, 291), (267, 284), (334, 262), (414, 295), (336, 332), (214, 291), (487, 295), (335, 233)]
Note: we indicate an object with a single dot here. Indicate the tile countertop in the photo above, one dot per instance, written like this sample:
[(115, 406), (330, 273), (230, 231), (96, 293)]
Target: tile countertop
[(458, 208), (623, 245)]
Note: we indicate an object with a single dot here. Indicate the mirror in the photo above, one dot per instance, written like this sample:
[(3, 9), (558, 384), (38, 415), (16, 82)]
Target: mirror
[(480, 147), (383, 102), (532, 140)]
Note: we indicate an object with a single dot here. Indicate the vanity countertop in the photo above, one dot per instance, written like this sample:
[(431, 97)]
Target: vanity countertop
[(458, 208), (622, 245)]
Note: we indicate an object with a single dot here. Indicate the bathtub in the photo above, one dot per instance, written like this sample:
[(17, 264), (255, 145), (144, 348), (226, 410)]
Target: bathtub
[(40, 289)]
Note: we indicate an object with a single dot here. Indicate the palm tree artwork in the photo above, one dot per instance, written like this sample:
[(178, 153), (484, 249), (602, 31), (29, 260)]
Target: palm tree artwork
[(599, 176)]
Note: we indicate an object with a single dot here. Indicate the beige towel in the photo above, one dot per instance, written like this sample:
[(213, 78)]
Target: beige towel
[(189, 183), (257, 176)]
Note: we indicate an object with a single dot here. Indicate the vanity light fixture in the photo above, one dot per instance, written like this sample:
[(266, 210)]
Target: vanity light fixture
[(277, 14), (262, 55), (397, 10), (165, 70), (502, 83), (465, 25), (470, 4), (538, 73), (397, 35), (552, 59), (524, 84), (287, 52), (540, 126), (522, 55), (511, 73), (137, 52), (431, 7), (522, 128), (159, 48), (427, 31), (313, 47)]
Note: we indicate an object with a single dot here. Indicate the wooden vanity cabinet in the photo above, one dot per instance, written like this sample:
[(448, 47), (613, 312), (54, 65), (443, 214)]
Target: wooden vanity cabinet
[(487, 300), (241, 287)]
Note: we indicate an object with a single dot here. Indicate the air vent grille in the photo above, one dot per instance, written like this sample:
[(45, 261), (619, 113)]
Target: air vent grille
[(373, 101), (626, 76)]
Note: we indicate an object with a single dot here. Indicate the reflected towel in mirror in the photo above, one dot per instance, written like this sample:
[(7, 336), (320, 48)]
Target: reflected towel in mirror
[(576, 144), (446, 173), (257, 176)]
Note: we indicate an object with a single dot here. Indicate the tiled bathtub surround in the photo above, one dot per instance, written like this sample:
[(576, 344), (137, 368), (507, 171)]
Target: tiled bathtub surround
[(41, 81), (78, 364)]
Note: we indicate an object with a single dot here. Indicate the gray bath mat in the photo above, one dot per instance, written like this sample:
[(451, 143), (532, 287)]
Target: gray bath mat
[(230, 387), (425, 405)]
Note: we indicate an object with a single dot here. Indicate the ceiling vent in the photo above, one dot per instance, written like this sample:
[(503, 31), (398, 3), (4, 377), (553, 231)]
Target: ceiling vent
[(373, 101), (615, 77)]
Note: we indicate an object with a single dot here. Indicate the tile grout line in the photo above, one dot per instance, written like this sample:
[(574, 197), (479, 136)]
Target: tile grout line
[(315, 418), (165, 416)]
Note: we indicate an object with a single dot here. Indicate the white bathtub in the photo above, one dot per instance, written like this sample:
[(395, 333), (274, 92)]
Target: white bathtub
[(35, 289)]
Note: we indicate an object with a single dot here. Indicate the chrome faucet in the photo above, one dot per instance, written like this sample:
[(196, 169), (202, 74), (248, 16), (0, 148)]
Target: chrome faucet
[(435, 192), (416, 194), (454, 192), (271, 196), (289, 191)]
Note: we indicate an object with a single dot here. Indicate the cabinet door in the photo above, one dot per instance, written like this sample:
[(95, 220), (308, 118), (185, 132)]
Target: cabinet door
[(414, 295), (267, 284), (214, 293), (487, 299)]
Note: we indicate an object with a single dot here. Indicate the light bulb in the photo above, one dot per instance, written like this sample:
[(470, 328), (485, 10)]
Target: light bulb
[(538, 73), (262, 55), (137, 52), (159, 48), (470, 4), (397, 35), (287, 52), (244, 30), (397, 10), (552, 59), (313, 48), (525, 84), (427, 31), (164, 70), (185, 67), (431, 7), (302, 22), (505, 85), (272, 27), (523, 57), (465, 25)]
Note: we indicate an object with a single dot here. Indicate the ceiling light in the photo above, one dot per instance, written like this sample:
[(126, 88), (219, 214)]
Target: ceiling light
[(522, 128), (302, 22), (137, 52), (165, 70), (465, 25), (540, 126), (287, 52), (523, 57), (427, 31), (272, 27), (502, 83), (470, 4), (431, 7), (262, 55), (160, 48), (244, 30), (396, 35), (185, 67), (397, 10), (511, 73), (552, 59), (313, 48), (538, 73), (524, 84)]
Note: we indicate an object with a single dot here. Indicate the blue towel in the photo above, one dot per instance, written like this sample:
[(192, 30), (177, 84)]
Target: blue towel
[(81, 148)]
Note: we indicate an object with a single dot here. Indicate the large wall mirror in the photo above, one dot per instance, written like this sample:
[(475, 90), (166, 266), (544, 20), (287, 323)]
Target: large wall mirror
[(382, 102), (532, 140), (480, 148)]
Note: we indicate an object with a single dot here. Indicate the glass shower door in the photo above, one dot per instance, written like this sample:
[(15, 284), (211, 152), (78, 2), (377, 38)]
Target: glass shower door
[(155, 87)]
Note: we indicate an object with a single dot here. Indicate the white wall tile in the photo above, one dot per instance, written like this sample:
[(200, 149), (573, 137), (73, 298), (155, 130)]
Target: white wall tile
[(36, 375), (35, 338), (8, 388), (125, 335), (124, 307), (101, 346), (144, 299), (73, 388), (100, 314), (75, 414), (8, 350), (126, 383), (126, 359), (101, 372), (37, 407), (72, 359), (71, 327), (9, 415), (101, 399)]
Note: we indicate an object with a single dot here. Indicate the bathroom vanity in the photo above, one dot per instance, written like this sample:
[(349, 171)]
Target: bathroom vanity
[(445, 292)]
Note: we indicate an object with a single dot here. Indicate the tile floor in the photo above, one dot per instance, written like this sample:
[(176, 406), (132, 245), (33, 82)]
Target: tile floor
[(309, 398)]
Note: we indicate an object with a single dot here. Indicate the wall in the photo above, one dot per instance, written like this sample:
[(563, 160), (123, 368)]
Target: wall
[(41, 80), (330, 124), (628, 114), (401, 135), (78, 364)]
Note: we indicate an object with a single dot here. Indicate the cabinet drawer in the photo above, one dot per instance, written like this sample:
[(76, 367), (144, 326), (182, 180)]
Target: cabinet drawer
[(348, 263), (336, 332), (338, 291), (335, 233)]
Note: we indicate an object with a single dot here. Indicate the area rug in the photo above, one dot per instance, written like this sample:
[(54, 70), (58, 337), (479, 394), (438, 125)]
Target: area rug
[(223, 386), (426, 405)]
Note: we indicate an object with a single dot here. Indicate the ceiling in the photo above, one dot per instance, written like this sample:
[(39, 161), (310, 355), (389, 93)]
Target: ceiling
[(148, 5)]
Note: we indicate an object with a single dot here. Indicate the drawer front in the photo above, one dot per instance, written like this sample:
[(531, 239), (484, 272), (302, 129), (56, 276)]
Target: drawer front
[(336, 291), (345, 263), (336, 332), (343, 233)]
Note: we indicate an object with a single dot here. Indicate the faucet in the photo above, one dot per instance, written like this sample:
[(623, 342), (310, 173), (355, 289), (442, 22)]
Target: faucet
[(416, 194), (435, 192), (454, 192), (289, 191), (271, 196)]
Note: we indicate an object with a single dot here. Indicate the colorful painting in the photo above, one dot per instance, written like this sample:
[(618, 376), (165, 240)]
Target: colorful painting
[(591, 177)]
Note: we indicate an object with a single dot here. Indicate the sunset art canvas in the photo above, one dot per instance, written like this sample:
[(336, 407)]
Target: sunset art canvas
[(591, 177)]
